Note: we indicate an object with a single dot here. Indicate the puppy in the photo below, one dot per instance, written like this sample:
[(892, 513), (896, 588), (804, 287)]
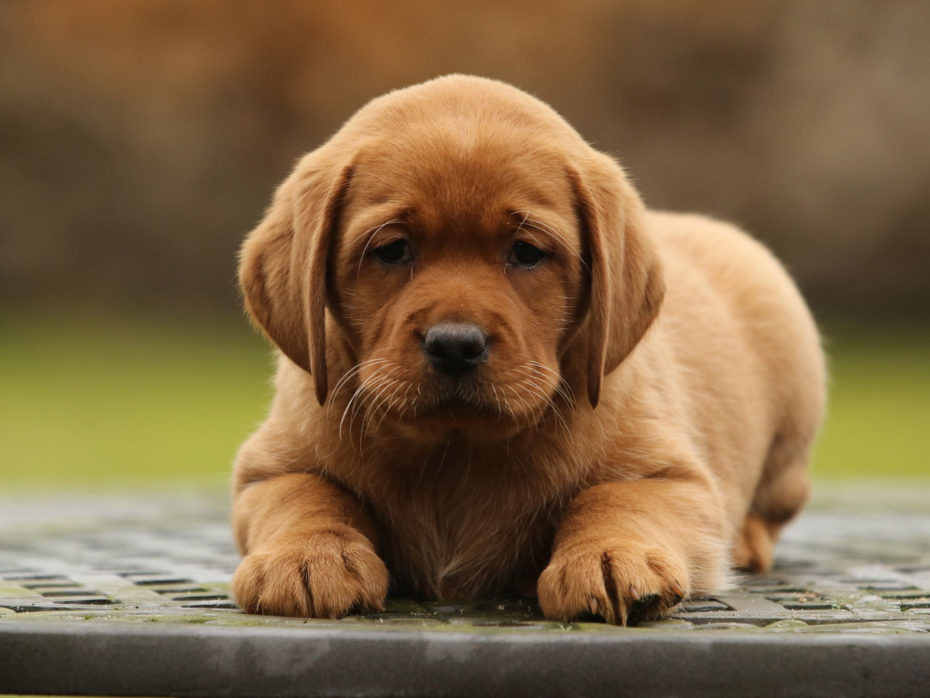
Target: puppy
[(500, 373)]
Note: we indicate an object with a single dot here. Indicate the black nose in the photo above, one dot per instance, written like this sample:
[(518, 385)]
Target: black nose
[(455, 348)]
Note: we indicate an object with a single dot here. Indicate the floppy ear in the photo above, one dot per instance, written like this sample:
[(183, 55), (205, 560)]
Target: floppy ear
[(626, 279), (283, 263)]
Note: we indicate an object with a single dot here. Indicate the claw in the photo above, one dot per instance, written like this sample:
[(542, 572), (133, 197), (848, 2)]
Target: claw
[(679, 594), (645, 601), (624, 613)]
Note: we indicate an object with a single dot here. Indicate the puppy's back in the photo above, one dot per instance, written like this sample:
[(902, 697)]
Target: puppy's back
[(735, 317)]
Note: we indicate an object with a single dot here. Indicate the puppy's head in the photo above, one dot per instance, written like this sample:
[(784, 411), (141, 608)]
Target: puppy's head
[(478, 261)]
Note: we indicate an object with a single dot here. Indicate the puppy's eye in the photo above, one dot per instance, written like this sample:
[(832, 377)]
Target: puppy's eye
[(397, 252), (524, 254)]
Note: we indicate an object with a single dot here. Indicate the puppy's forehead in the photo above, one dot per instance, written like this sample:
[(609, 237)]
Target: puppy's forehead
[(453, 171), (457, 174)]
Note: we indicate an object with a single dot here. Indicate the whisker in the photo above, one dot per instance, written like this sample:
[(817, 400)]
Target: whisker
[(349, 409), (539, 371), (388, 402), (526, 406), (530, 383), (496, 401), (562, 386), (405, 402), (375, 399), (534, 388), (352, 372), (362, 393)]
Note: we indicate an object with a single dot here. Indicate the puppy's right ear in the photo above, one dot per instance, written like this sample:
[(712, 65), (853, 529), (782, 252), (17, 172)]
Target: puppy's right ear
[(283, 263)]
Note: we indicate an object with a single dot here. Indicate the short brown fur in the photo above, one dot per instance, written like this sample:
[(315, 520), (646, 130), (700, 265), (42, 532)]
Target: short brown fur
[(643, 419)]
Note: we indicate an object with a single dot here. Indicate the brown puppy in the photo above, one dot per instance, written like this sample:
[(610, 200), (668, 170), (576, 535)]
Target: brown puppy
[(500, 372)]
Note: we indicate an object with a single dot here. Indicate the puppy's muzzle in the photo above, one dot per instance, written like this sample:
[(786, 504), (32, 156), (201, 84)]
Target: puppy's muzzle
[(456, 348)]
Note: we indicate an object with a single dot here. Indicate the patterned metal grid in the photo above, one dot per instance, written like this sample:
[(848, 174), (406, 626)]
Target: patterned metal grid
[(169, 559)]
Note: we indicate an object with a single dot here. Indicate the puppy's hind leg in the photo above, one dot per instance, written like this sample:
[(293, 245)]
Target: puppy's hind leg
[(781, 493)]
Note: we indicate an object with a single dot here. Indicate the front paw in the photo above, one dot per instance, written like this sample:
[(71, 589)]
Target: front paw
[(324, 574), (621, 583)]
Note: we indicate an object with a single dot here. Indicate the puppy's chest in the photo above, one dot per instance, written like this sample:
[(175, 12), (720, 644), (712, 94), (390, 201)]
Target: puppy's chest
[(455, 545)]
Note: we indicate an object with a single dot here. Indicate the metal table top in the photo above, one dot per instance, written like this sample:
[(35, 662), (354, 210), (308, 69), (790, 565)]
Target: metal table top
[(128, 594)]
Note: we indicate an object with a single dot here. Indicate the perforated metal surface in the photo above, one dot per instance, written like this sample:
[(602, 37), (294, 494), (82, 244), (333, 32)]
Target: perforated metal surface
[(129, 595), (170, 558)]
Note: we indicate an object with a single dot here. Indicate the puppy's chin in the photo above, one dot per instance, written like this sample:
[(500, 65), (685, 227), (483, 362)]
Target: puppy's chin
[(450, 418), (445, 418)]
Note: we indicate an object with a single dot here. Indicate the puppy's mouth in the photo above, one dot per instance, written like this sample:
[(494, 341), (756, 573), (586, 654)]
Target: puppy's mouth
[(434, 415), (429, 406), (443, 416)]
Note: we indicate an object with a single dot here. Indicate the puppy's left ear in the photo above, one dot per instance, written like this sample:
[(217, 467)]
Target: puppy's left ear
[(627, 287)]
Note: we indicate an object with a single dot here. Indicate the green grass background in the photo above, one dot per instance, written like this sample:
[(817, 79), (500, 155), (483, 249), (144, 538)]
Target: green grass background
[(90, 401)]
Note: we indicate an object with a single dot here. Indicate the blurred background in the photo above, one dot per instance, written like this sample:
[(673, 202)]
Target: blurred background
[(139, 142)]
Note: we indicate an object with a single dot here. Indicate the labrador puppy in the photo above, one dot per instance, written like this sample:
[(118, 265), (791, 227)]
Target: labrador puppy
[(500, 373)]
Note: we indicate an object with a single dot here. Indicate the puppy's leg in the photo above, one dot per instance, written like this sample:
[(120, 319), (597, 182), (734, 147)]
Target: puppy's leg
[(309, 550), (780, 495), (755, 545), (783, 487), (631, 550)]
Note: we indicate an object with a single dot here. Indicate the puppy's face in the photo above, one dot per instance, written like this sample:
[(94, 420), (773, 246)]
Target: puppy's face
[(458, 276), (469, 246)]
